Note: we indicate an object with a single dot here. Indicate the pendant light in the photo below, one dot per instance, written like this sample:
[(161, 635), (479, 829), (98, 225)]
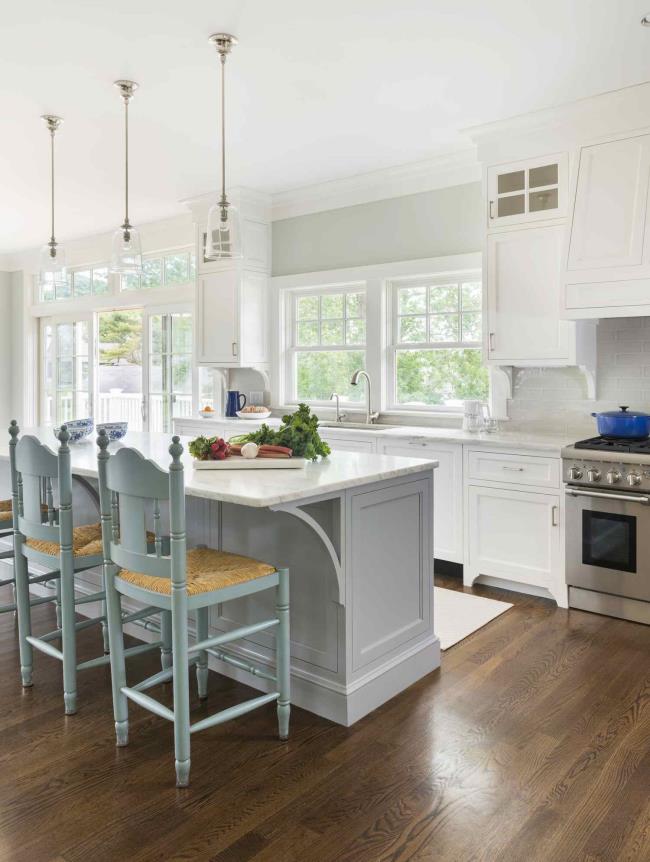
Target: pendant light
[(223, 237), (126, 255), (52, 270)]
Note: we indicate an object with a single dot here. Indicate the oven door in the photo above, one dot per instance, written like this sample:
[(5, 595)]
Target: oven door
[(608, 542)]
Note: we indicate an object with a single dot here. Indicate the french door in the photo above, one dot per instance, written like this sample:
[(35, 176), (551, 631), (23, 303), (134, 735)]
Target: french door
[(132, 365)]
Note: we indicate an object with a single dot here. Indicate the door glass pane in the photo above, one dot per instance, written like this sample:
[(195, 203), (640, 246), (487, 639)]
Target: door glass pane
[(64, 406), (514, 205), (64, 339), (512, 182), (546, 200), (181, 333), (119, 398), (544, 175)]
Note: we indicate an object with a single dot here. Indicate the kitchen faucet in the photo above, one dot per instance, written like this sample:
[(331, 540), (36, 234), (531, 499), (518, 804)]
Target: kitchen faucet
[(339, 416), (370, 417)]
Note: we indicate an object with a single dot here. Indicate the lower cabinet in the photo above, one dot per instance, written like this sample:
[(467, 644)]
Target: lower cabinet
[(347, 444), (515, 535), (447, 491)]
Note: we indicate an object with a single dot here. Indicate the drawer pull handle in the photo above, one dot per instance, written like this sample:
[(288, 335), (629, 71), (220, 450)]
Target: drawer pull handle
[(554, 514), (513, 469), (491, 209)]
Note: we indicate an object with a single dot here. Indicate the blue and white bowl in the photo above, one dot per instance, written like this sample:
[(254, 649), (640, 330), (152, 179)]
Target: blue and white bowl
[(77, 429), (114, 430)]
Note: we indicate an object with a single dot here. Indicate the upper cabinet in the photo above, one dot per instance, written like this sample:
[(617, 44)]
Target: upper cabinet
[(523, 298), (527, 191), (607, 264)]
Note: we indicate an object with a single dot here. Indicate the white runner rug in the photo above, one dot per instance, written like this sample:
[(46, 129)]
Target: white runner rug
[(456, 615)]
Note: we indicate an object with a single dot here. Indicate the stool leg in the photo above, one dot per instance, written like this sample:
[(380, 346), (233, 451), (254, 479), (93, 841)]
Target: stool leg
[(166, 637), (202, 664), (105, 637), (283, 644), (181, 695), (118, 664), (57, 601), (69, 638), (24, 613)]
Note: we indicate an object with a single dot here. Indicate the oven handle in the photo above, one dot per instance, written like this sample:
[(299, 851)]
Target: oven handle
[(628, 498)]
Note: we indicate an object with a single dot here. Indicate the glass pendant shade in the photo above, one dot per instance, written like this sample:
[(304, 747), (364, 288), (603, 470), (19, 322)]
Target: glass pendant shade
[(223, 236), (52, 270), (126, 254)]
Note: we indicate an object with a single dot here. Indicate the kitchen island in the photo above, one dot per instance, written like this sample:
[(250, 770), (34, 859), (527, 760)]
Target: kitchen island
[(355, 531)]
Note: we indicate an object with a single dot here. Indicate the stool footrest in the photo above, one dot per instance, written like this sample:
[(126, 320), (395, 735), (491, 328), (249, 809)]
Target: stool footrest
[(160, 677), (149, 703), (80, 626), (42, 646), (48, 576), (234, 635), (237, 662), (233, 711), (140, 615), (93, 597)]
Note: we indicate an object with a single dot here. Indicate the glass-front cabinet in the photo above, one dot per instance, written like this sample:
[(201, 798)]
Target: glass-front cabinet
[(527, 191)]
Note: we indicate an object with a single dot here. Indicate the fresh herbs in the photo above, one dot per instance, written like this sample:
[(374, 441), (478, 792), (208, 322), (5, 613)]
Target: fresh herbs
[(299, 432)]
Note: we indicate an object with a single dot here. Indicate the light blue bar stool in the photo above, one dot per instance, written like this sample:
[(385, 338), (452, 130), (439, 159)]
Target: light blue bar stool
[(52, 541), (176, 580)]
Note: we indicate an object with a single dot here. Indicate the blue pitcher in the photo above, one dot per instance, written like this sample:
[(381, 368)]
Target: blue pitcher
[(234, 402)]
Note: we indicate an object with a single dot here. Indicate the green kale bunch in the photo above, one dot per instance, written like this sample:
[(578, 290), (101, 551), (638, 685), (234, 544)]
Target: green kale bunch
[(299, 432)]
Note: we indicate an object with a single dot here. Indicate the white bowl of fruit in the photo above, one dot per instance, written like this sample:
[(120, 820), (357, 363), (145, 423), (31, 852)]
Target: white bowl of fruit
[(207, 412), (254, 411)]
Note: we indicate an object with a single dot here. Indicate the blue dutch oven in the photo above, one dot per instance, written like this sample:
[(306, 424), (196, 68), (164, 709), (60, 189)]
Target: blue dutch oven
[(623, 423)]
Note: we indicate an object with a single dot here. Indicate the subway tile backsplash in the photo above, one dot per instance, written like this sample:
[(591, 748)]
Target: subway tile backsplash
[(555, 399)]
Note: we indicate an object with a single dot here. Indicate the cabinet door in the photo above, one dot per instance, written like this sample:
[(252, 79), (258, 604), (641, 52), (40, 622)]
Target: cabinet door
[(347, 444), (610, 205), (217, 317), (527, 191), (514, 535), (447, 492), (524, 294), (251, 344)]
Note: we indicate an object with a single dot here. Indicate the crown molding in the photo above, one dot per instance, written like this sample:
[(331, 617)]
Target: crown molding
[(449, 169)]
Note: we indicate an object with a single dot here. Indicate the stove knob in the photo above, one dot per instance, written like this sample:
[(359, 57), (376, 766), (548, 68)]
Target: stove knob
[(633, 479), (575, 473), (613, 476), (593, 475)]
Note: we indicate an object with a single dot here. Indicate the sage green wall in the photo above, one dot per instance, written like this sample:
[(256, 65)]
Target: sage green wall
[(429, 224)]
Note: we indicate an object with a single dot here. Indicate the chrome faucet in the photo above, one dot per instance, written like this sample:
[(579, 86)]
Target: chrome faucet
[(370, 417), (339, 416)]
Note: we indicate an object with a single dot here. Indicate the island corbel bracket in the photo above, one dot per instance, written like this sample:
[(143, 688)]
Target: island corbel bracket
[(297, 512)]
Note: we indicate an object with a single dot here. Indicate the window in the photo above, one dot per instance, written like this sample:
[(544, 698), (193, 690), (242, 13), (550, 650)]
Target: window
[(66, 367), (86, 281), (326, 343), (436, 335), (162, 271)]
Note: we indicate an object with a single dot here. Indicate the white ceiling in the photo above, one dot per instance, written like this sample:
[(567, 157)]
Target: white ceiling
[(317, 90)]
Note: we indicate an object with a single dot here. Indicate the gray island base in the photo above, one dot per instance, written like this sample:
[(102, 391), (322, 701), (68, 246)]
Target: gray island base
[(355, 531)]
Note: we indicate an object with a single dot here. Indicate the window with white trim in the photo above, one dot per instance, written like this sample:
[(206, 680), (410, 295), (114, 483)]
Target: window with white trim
[(436, 359), (326, 343)]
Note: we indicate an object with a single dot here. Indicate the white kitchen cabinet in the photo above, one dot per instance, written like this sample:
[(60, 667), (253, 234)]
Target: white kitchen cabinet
[(527, 191), (338, 443), (447, 491), (514, 535), (523, 283), (231, 318), (607, 271)]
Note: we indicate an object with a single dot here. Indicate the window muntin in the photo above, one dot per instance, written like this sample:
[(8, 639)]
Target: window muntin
[(437, 359), (327, 343)]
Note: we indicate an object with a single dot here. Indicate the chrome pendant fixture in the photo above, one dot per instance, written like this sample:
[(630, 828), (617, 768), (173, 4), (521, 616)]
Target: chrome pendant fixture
[(126, 256), (223, 236), (52, 271)]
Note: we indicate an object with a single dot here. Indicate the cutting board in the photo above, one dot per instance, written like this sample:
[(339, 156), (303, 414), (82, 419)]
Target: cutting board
[(236, 462)]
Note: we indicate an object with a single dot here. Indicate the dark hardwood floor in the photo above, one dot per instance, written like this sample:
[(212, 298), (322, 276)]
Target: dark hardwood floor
[(532, 744)]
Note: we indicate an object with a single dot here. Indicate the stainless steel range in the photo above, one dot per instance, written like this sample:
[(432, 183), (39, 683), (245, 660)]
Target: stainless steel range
[(608, 526)]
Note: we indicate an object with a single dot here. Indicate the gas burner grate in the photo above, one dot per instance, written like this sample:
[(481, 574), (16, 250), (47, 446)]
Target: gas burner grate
[(615, 444)]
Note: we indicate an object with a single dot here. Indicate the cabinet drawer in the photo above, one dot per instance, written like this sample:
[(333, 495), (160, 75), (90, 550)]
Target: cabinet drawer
[(514, 469), (348, 444)]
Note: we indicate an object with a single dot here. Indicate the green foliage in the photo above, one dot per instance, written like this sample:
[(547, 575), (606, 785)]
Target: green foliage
[(120, 337), (435, 377), (319, 373), (299, 432)]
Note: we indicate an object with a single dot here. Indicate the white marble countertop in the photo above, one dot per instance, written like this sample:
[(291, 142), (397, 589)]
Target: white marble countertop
[(256, 488), (551, 444)]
